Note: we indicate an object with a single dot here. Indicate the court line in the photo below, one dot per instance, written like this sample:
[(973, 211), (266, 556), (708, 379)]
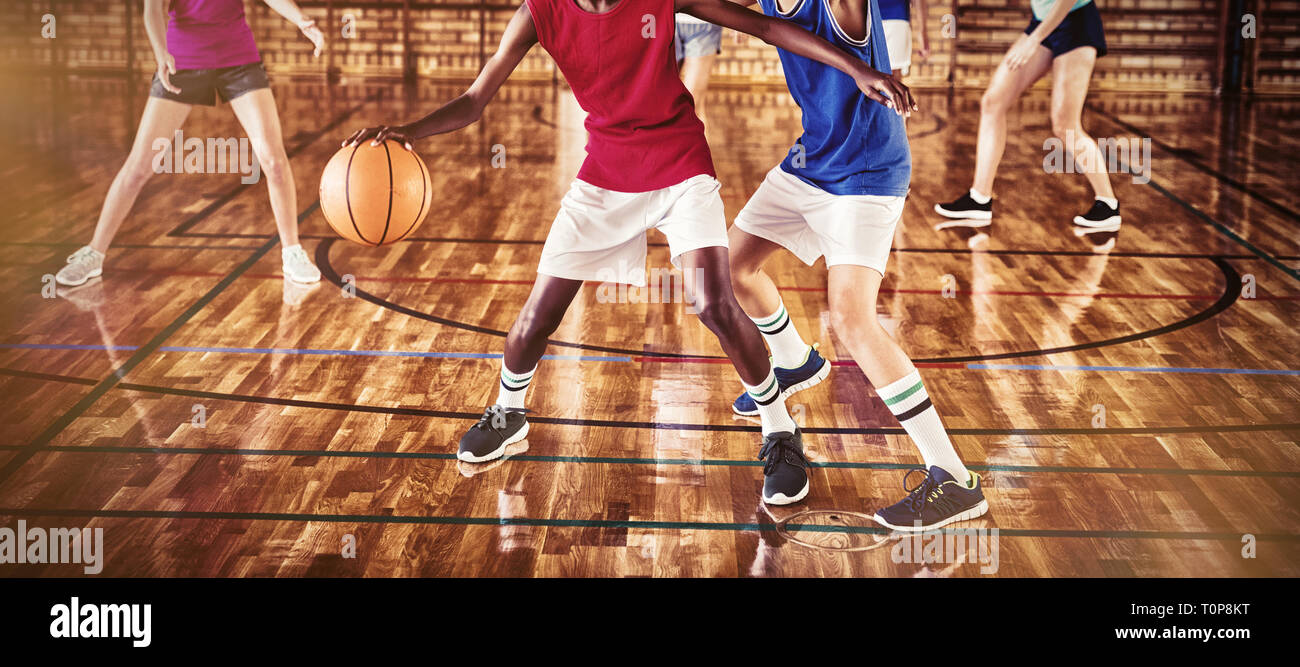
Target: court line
[(622, 359), (625, 524), (784, 288), (608, 423), (619, 460), (1231, 292), (103, 386)]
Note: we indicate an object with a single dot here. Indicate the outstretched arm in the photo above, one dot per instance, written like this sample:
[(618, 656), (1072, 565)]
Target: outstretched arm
[(520, 35), (291, 13), (878, 86)]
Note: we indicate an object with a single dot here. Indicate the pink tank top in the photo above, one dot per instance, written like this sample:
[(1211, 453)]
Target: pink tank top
[(207, 34), (642, 130)]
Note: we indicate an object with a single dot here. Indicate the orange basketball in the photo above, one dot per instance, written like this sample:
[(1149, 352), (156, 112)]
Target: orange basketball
[(375, 195)]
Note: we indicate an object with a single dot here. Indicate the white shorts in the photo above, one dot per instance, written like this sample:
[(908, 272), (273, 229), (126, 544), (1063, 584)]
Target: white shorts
[(599, 234), (898, 41), (811, 223)]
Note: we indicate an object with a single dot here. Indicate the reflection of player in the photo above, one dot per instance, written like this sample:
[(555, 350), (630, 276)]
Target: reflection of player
[(1066, 38), (647, 166), (206, 54), (896, 16), (698, 44), (839, 195)]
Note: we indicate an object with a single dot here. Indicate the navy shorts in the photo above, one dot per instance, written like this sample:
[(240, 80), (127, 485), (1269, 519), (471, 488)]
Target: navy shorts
[(1081, 27), (206, 86)]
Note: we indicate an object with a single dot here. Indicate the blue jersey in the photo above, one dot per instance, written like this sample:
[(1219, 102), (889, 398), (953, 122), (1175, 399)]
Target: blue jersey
[(850, 144), (895, 10)]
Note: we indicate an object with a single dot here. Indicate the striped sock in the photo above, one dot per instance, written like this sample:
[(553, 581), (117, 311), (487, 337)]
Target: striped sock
[(771, 407), (909, 402), (513, 387), (788, 348)]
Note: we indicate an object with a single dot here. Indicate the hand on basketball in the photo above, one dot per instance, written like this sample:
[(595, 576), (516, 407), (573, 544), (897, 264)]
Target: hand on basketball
[(311, 32), (378, 135), (884, 89), (166, 68)]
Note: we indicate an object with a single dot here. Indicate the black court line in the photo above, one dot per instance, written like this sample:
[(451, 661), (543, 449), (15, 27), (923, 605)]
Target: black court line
[(103, 386), (183, 229), (1231, 292), (632, 460), (615, 525), (135, 246), (614, 423), (1223, 229), (1180, 154)]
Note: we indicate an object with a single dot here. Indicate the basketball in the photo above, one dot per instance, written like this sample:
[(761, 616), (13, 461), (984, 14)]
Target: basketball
[(375, 195)]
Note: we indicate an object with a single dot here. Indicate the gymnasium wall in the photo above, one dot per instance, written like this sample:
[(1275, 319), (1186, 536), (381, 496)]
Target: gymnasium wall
[(1168, 45)]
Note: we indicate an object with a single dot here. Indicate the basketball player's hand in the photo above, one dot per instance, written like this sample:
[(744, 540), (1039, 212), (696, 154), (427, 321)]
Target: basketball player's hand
[(378, 135), (923, 53), (1020, 54), (166, 68), (311, 32), (884, 89)]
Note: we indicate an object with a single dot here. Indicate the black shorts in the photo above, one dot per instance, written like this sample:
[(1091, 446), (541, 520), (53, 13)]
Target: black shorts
[(1081, 27), (206, 86)]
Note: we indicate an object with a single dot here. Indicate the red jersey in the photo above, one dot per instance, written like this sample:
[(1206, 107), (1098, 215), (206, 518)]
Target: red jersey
[(642, 130)]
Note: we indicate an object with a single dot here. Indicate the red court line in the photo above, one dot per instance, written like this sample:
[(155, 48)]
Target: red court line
[(785, 288)]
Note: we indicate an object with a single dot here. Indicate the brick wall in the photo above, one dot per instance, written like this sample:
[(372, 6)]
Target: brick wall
[(1168, 45)]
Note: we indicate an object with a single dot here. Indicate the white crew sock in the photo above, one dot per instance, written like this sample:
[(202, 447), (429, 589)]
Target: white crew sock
[(513, 387), (907, 399), (1109, 201), (979, 197), (771, 407), (788, 348)]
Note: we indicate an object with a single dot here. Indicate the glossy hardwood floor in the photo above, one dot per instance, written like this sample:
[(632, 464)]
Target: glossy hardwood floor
[(1132, 409)]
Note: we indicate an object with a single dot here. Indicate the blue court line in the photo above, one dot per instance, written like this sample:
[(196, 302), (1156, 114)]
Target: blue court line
[(616, 359), (1133, 369)]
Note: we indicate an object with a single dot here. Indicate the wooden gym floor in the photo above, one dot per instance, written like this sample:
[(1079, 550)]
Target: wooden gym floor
[(1132, 410)]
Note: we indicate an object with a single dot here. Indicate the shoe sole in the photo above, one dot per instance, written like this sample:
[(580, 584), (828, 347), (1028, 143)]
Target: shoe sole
[(1109, 224), (963, 215), (980, 509), (93, 274), (497, 453), (782, 499), (816, 379), (300, 281), (963, 223)]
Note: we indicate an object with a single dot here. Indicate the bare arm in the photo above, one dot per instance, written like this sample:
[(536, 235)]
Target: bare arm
[(519, 37), (155, 26), (293, 14), (921, 12), (1021, 53), (785, 35)]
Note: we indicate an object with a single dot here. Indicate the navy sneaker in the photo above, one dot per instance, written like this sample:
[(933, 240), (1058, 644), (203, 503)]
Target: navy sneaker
[(936, 502), (487, 439), (966, 208), (785, 468), (1101, 216), (809, 374)]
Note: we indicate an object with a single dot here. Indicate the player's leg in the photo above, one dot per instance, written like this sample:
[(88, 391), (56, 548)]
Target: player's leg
[(949, 491), (257, 114), (1004, 90), (1071, 73), (708, 282), (161, 119), (504, 422), (797, 365)]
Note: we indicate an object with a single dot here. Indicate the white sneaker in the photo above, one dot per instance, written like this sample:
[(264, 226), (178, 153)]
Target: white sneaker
[(297, 267), (83, 265)]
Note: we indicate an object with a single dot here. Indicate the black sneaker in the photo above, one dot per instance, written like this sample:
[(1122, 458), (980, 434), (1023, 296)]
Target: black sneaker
[(785, 469), (965, 208), (934, 503), (1100, 216), (487, 439)]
